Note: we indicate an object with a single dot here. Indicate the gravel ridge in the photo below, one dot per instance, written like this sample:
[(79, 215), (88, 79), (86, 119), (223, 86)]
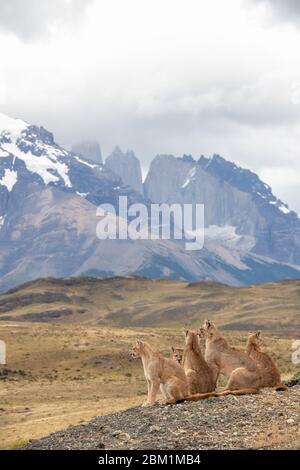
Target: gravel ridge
[(270, 420)]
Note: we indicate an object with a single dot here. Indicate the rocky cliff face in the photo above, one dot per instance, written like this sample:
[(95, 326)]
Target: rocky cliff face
[(126, 166), (88, 149), (233, 197)]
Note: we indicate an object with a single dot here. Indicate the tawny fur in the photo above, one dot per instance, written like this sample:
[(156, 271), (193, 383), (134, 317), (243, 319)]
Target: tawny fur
[(242, 391), (166, 374), (241, 371), (161, 372), (269, 372), (198, 374)]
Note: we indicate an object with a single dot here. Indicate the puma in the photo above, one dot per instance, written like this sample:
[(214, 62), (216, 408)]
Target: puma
[(198, 374), (241, 371), (270, 375), (164, 374), (161, 372)]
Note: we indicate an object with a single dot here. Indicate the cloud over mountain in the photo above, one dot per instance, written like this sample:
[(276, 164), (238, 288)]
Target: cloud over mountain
[(284, 9), (34, 18), (128, 73)]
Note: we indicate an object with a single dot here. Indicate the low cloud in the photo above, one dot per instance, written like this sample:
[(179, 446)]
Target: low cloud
[(283, 9), (211, 78), (29, 19)]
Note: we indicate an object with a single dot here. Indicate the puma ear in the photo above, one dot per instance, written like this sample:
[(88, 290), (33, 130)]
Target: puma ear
[(185, 332), (140, 342), (258, 334), (208, 323), (173, 349)]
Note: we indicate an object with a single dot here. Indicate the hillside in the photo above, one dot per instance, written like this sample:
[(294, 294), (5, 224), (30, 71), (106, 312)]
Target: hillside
[(137, 302), (265, 421), (59, 375), (69, 340)]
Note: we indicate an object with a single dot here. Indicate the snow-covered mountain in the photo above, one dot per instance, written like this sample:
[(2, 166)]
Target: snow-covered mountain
[(48, 200), (29, 155)]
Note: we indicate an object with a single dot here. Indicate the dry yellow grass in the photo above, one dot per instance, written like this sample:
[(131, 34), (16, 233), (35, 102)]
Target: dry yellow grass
[(74, 372)]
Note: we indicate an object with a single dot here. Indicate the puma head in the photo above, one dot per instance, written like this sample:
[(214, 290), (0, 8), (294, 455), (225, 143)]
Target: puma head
[(191, 338), (177, 354), (137, 349), (208, 329), (201, 332), (255, 339)]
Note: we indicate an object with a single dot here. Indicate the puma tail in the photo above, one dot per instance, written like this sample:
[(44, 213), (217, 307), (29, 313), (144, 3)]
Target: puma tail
[(196, 397), (242, 391), (200, 396)]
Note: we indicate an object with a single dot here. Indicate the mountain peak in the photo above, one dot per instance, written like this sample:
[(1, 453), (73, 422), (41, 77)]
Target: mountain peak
[(239, 177), (11, 125), (89, 149), (117, 151), (187, 158), (127, 167)]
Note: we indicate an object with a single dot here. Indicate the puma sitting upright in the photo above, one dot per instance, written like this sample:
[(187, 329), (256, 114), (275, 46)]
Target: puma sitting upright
[(241, 371), (177, 354), (166, 374), (199, 375), (270, 375), (161, 372)]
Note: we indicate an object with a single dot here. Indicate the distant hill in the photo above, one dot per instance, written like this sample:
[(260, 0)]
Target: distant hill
[(136, 302)]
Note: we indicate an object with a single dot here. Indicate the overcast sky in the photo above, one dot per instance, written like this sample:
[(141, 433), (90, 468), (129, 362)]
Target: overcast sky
[(171, 76)]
